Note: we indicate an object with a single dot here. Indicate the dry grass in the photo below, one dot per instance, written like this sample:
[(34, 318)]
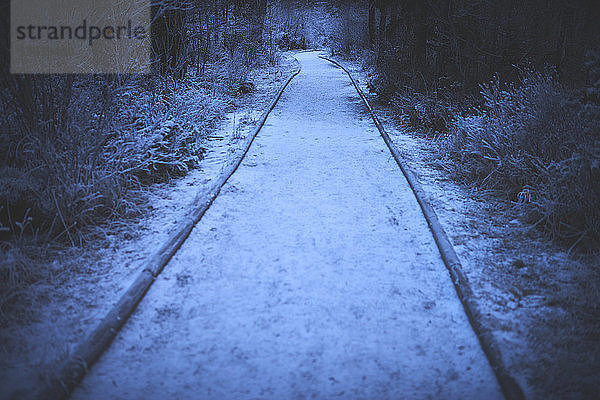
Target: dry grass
[(538, 145), (69, 168), (535, 143), (430, 114)]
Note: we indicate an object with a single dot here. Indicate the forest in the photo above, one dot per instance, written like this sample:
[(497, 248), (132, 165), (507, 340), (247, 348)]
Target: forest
[(506, 93)]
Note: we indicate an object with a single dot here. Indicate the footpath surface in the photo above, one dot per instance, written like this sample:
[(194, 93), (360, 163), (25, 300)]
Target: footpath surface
[(312, 275)]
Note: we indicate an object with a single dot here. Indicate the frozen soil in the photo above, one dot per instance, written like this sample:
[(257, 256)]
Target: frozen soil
[(542, 302), (312, 275), (88, 281)]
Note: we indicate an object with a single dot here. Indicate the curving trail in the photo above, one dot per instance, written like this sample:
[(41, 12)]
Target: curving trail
[(312, 275)]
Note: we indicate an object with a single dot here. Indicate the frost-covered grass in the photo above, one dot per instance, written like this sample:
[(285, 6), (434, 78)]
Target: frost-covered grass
[(57, 180), (535, 142), (520, 127), (539, 145)]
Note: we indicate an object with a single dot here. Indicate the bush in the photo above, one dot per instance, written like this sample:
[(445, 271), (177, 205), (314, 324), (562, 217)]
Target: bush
[(429, 114), (539, 144), (54, 183), (68, 175), (291, 41)]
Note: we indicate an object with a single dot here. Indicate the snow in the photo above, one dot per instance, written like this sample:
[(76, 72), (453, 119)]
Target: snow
[(313, 275)]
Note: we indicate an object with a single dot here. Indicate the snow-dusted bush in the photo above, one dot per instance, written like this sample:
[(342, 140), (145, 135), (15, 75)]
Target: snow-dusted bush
[(430, 114), (66, 174), (540, 145), (115, 138)]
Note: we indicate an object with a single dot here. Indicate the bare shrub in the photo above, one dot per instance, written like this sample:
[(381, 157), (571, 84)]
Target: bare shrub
[(349, 33), (286, 26), (538, 144), (430, 114)]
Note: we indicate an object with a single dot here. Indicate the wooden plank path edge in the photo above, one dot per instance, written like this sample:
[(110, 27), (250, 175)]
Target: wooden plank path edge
[(66, 376), (508, 384)]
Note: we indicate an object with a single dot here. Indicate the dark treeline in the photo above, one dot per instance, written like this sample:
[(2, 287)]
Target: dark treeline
[(432, 42), (187, 33)]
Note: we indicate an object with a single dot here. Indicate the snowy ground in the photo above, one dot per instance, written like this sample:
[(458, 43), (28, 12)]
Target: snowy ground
[(313, 275)]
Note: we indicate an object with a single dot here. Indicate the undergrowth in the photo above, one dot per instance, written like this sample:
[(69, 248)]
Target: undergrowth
[(67, 167), (80, 152), (534, 142), (538, 144), (62, 178)]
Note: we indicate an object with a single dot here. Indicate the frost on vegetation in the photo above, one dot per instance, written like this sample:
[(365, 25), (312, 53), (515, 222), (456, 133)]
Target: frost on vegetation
[(79, 163), (539, 143), (74, 163), (161, 133)]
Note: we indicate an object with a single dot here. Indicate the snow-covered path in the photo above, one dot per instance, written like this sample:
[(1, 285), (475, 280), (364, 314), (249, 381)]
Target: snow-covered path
[(313, 275)]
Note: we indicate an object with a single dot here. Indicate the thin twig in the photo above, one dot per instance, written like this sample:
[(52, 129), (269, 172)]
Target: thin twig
[(577, 242), (63, 219)]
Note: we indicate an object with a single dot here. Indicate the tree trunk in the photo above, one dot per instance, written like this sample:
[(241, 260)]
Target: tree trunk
[(372, 23)]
